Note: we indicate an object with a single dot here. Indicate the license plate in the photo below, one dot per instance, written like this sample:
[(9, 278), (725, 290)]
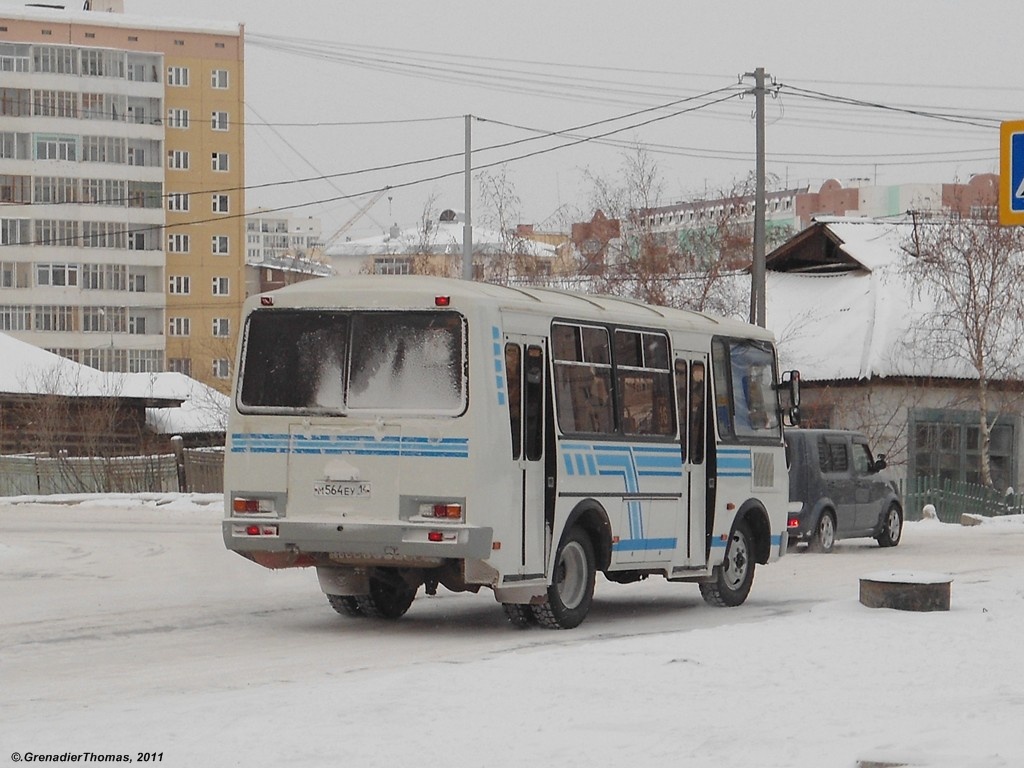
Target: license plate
[(341, 488)]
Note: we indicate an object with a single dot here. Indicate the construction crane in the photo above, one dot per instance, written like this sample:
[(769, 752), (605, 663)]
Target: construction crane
[(354, 218)]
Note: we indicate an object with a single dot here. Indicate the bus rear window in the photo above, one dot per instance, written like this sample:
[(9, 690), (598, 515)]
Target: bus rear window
[(329, 361)]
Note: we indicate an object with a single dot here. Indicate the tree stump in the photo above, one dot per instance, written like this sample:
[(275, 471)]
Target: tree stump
[(906, 591)]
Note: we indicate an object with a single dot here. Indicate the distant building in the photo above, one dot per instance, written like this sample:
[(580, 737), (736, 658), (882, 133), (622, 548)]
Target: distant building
[(792, 210), (437, 249), (281, 250), (122, 175)]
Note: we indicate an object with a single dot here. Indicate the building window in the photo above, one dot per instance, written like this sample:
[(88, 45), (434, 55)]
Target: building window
[(180, 284), (59, 275), (220, 203), (179, 326), (221, 368), (104, 319), (219, 79), (55, 318), (50, 147), (220, 245), (177, 76), (136, 241), (137, 325), (220, 161), (219, 121), (177, 243), (145, 360), (392, 265), (946, 445), (221, 286), (15, 318), (180, 365), (177, 118), (137, 283), (221, 326), (177, 201), (177, 159)]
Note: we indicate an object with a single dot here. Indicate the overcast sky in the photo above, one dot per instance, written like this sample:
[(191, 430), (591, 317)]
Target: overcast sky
[(339, 88)]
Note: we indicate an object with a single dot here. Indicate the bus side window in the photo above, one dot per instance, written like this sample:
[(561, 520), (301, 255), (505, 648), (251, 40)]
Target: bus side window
[(513, 372), (533, 388), (697, 419)]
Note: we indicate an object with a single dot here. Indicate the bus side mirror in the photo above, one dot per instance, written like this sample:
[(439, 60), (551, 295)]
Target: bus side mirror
[(790, 385)]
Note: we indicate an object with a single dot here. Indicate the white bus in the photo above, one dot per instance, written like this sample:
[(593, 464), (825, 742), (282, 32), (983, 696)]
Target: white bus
[(406, 432)]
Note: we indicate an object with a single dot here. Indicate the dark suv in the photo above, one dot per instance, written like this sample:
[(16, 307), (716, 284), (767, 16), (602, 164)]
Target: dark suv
[(837, 490)]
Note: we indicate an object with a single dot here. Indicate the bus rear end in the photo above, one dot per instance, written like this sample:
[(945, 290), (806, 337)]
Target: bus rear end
[(347, 446)]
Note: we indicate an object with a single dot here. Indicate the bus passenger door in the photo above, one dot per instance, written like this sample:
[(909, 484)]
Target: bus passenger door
[(691, 397), (526, 369)]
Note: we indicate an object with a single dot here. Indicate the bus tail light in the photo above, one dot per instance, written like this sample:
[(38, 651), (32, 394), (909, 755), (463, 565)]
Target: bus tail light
[(794, 522), (246, 506), (441, 511), (255, 530)]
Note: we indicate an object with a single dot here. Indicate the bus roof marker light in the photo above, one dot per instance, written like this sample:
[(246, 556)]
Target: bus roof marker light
[(266, 301), (442, 301)]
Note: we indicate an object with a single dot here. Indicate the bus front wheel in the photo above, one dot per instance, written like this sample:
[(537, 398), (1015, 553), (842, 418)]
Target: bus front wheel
[(730, 584), (572, 584)]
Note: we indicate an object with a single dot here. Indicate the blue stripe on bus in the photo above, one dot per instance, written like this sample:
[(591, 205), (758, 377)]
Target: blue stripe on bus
[(642, 545), (735, 462), (351, 445)]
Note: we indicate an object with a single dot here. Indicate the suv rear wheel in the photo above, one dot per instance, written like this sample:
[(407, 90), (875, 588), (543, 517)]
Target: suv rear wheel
[(824, 536), (892, 527)]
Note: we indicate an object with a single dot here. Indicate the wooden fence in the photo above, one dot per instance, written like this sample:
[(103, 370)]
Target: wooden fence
[(952, 499), (193, 470)]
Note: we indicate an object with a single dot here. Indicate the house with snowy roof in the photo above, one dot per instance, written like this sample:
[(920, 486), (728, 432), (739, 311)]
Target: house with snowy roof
[(50, 403), (847, 311)]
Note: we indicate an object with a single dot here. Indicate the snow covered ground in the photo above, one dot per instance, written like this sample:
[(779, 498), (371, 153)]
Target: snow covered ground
[(126, 627)]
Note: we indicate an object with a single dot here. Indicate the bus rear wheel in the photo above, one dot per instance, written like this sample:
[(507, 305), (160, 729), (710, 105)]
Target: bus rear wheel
[(572, 585), (346, 605), (731, 582), (389, 598)]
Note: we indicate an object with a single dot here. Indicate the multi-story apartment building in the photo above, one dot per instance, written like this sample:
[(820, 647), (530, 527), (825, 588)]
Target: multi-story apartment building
[(122, 236)]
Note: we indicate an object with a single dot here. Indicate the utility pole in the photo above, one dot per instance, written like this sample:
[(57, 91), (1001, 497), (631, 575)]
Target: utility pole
[(467, 224), (757, 271)]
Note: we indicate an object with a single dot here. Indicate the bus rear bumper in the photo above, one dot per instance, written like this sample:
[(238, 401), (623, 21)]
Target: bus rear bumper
[(394, 544)]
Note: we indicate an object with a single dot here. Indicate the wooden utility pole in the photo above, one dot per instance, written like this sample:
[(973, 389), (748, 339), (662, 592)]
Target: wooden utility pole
[(757, 271), (467, 224)]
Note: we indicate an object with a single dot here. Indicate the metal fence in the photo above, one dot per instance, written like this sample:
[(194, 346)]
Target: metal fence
[(194, 470), (952, 499)]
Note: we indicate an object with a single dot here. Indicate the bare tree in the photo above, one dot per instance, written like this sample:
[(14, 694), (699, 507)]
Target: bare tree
[(970, 271)]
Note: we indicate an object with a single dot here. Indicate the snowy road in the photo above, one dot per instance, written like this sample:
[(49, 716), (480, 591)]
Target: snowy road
[(127, 627)]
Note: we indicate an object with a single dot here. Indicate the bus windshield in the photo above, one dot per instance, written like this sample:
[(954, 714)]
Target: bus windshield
[(340, 362), (745, 396)]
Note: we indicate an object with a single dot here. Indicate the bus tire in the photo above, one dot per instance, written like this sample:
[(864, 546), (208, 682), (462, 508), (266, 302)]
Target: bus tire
[(519, 616), (346, 605), (390, 597), (731, 581), (571, 592)]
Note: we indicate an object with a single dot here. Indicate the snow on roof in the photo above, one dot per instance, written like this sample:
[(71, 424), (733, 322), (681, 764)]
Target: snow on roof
[(203, 410), (187, 405), (445, 237), (857, 324)]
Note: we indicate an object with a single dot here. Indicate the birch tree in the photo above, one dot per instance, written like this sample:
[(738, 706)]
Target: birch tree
[(970, 271)]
